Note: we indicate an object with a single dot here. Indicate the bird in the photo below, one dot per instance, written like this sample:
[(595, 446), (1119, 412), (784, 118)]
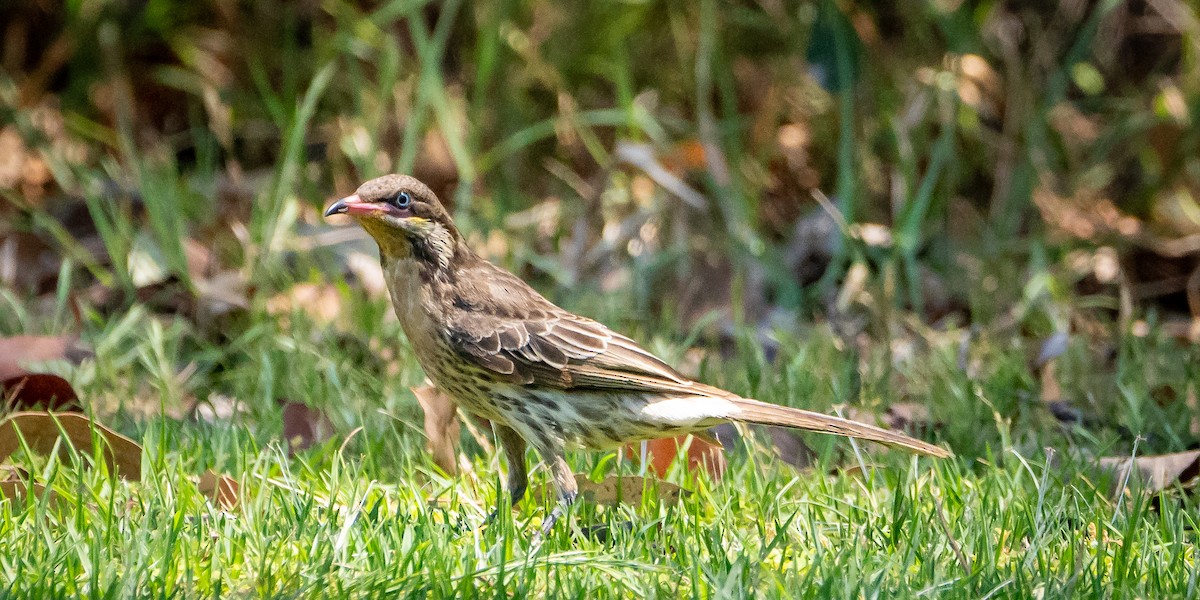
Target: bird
[(542, 376)]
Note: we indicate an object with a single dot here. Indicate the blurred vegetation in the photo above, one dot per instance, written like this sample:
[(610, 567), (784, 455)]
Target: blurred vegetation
[(966, 146), (977, 221), (1011, 167)]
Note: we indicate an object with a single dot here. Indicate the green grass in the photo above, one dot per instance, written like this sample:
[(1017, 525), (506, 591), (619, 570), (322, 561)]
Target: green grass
[(530, 100), (370, 515)]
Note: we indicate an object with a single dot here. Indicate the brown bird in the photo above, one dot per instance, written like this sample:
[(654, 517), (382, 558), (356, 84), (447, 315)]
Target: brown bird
[(541, 375)]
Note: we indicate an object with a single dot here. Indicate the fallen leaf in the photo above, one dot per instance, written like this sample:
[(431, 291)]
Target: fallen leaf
[(220, 488), (1051, 390), (1193, 405), (304, 426), (41, 431), (1156, 472), (662, 453), (38, 391), (201, 260), (22, 349), (16, 489), (13, 483), (441, 426)]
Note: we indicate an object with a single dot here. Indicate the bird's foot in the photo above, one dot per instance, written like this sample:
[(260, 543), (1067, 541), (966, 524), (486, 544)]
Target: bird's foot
[(559, 510)]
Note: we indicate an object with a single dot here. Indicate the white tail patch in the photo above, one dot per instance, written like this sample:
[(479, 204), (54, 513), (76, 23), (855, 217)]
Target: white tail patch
[(688, 411)]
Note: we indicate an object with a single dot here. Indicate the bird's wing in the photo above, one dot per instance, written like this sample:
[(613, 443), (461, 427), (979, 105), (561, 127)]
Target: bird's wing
[(500, 324)]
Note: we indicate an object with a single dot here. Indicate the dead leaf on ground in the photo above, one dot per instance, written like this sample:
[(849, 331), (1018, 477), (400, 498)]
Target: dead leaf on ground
[(21, 349), (662, 452), (220, 488), (1155, 473), (13, 483), (38, 391), (1193, 405), (441, 426), (304, 426), (1045, 366), (41, 431), (16, 489)]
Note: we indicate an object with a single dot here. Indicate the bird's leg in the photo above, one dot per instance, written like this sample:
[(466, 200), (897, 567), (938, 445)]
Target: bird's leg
[(514, 452), (568, 489)]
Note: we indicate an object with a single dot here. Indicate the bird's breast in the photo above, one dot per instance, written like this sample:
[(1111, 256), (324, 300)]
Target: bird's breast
[(415, 306), (418, 308)]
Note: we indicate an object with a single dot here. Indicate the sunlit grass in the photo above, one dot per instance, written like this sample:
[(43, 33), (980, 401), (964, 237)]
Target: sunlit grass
[(346, 92), (370, 515)]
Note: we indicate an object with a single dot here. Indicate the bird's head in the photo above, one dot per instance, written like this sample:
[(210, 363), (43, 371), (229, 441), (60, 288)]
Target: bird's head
[(404, 216)]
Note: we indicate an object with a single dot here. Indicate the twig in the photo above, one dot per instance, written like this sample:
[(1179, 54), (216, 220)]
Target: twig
[(954, 545)]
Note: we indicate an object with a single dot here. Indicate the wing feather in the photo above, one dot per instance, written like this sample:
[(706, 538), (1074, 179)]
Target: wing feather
[(500, 324)]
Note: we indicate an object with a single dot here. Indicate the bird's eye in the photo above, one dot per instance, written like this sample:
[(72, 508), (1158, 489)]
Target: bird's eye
[(400, 200)]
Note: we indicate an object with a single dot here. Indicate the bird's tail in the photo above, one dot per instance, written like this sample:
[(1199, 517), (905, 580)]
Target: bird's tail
[(762, 413)]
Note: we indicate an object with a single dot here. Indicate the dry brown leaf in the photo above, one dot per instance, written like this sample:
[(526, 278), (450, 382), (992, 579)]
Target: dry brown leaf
[(21, 349), (38, 391), (15, 489), (1156, 472), (220, 488), (41, 430), (662, 453), (304, 426), (441, 426), (201, 260)]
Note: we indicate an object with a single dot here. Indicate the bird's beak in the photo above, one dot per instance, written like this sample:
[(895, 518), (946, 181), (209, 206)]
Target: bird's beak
[(355, 206)]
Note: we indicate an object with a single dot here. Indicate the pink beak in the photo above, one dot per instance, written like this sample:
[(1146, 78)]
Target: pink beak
[(355, 206)]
